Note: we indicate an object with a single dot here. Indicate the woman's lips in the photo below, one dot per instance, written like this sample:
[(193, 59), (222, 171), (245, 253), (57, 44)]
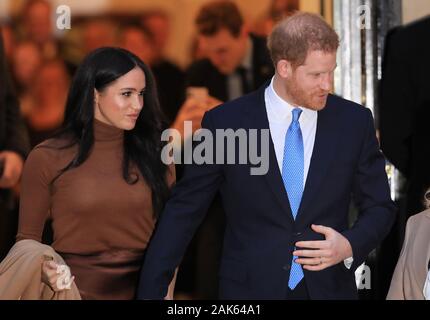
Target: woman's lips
[(133, 116)]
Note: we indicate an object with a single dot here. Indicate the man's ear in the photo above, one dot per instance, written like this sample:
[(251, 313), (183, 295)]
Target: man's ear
[(284, 68)]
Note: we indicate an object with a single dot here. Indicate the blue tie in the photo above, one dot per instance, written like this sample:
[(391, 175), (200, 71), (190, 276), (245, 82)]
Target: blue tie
[(292, 175)]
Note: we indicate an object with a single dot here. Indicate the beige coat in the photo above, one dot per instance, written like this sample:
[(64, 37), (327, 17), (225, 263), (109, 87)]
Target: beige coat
[(412, 268), (21, 270)]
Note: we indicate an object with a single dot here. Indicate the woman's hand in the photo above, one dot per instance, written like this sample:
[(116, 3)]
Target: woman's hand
[(56, 276)]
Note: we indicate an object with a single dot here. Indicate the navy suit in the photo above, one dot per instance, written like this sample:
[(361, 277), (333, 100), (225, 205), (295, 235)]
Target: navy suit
[(260, 231)]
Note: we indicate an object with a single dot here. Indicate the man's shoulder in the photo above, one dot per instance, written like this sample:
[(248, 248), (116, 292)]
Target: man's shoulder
[(237, 108), (341, 104), (348, 111), (411, 36), (419, 27)]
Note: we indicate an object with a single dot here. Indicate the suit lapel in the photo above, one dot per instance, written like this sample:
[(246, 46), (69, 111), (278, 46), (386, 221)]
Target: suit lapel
[(257, 119), (324, 149), (326, 140)]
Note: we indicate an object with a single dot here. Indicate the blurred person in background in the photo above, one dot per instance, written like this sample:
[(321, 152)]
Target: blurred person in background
[(138, 40), (26, 62), (237, 61), (8, 40), (36, 20), (157, 22), (278, 10), (170, 79), (169, 76), (14, 147), (49, 94), (98, 32)]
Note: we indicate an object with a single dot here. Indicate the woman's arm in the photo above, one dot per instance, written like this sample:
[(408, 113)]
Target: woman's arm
[(35, 195)]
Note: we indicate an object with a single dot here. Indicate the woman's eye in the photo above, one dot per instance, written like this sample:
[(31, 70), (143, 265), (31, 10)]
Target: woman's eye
[(141, 93), (126, 94)]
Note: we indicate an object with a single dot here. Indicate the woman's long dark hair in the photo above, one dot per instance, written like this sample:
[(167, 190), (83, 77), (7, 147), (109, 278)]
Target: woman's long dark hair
[(142, 145)]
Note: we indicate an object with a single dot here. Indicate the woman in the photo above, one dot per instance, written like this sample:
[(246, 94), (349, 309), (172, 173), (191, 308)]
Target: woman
[(411, 276), (100, 181)]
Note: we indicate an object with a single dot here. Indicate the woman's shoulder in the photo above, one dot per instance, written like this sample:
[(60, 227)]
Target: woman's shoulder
[(53, 150)]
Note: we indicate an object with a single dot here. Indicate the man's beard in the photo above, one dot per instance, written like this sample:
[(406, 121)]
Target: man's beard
[(303, 99)]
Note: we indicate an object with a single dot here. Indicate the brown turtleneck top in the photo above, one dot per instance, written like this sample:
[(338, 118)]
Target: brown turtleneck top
[(101, 224)]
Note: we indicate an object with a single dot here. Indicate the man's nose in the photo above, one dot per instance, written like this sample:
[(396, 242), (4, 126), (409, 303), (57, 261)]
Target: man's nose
[(326, 82)]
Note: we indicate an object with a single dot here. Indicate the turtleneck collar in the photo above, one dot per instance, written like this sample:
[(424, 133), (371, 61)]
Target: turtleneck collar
[(106, 132)]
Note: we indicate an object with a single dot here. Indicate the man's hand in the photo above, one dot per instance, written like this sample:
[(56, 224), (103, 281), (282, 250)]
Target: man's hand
[(319, 255), (13, 164)]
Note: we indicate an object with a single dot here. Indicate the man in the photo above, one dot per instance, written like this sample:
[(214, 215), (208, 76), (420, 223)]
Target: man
[(37, 22), (14, 146), (404, 113), (287, 233), (237, 62)]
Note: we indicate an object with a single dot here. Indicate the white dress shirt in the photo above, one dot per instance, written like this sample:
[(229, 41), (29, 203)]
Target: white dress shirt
[(279, 114)]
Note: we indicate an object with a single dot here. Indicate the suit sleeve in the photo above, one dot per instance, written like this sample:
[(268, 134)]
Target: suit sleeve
[(183, 213), (371, 194), (396, 103)]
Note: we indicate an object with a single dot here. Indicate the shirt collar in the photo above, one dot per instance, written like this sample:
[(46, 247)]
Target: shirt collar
[(281, 109)]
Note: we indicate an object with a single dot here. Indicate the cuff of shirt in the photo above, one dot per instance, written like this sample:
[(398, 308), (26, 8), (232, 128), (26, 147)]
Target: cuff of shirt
[(348, 262)]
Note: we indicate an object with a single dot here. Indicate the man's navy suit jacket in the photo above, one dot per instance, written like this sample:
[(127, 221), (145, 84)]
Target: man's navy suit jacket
[(260, 233)]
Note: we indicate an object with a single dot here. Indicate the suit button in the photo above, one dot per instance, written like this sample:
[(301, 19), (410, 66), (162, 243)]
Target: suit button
[(286, 267)]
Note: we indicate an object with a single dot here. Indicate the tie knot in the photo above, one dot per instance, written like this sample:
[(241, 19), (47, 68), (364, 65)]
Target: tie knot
[(296, 114)]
